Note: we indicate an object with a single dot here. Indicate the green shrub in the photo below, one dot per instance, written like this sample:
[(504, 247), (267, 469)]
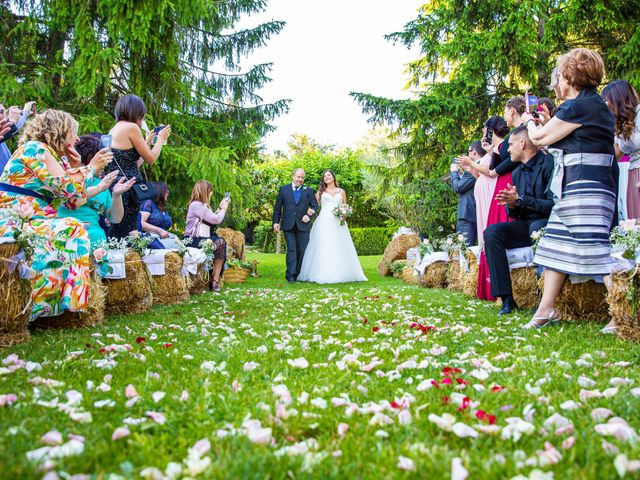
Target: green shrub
[(371, 240), (265, 238)]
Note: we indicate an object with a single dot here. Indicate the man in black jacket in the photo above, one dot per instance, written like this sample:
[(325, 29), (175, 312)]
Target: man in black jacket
[(528, 202), (463, 183), (291, 215)]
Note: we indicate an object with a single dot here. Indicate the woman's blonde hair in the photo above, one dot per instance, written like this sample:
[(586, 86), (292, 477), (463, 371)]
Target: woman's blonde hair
[(201, 191), (52, 127)]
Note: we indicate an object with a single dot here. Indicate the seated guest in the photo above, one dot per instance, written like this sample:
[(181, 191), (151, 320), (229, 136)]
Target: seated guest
[(36, 179), (528, 203), (153, 218), (463, 183), (16, 119), (200, 219), (103, 204)]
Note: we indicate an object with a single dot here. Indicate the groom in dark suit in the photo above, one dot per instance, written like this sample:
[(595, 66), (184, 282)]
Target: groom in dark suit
[(290, 215)]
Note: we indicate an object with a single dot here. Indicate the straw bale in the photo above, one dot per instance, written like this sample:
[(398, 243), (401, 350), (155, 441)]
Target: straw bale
[(470, 278), (132, 294), (170, 288), (396, 250), (92, 316), (435, 275), (199, 283), (15, 297), (409, 275), (623, 286), (524, 286), (236, 275), (455, 273), (583, 302), (235, 240)]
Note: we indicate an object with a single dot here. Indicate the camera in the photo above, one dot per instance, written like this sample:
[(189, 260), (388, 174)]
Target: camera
[(489, 136), (157, 130)]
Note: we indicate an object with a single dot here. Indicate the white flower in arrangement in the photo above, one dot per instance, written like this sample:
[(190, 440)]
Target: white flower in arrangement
[(426, 241), (460, 237), (536, 235), (449, 241), (25, 211), (629, 225), (343, 212)]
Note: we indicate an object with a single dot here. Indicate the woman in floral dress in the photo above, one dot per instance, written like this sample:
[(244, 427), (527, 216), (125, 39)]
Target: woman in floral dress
[(35, 182)]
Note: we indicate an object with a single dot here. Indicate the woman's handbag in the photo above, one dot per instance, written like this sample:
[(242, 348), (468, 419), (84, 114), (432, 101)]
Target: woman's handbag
[(141, 191)]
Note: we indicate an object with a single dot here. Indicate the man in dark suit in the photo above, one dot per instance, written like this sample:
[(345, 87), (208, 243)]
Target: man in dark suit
[(463, 182), (528, 202), (291, 215)]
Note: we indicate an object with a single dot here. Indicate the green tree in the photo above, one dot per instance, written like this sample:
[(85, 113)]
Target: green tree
[(183, 57), (475, 55)]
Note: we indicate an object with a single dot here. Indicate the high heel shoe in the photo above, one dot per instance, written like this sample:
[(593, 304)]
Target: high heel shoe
[(550, 320)]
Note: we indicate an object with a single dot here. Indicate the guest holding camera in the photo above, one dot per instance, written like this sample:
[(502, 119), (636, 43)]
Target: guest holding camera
[(463, 183), (200, 219), (527, 202), (581, 139), (104, 204), (128, 145), (36, 179)]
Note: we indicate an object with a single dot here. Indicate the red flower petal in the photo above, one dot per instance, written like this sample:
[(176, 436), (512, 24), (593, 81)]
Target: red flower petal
[(496, 388), (446, 381), (375, 329), (167, 345), (141, 339), (395, 404)]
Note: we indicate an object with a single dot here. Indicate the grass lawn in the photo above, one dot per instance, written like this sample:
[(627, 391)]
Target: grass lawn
[(271, 380)]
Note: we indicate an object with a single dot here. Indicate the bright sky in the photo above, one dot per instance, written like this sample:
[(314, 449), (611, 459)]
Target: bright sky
[(327, 49)]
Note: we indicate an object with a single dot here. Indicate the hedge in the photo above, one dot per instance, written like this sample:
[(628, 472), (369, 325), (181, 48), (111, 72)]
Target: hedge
[(371, 240), (368, 241)]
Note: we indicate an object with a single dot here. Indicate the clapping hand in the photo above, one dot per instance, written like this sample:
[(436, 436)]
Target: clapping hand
[(4, 126), (107, 180), (508, 196), (123, 185)]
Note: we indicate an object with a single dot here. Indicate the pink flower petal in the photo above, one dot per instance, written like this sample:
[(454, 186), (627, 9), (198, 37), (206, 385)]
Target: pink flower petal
[(119, 433)]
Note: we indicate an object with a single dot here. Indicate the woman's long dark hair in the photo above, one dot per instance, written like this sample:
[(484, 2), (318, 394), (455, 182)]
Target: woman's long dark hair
[(501, 130), (323, 186), (622, 100), (162, 195)]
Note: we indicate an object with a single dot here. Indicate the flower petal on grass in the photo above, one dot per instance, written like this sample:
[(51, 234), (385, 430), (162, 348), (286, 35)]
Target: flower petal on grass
[(458, 472), (405, 463), (119, 433)]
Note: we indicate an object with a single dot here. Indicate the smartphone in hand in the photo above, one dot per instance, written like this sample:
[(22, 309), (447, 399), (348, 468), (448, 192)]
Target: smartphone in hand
[(227, 196), (105, 141)]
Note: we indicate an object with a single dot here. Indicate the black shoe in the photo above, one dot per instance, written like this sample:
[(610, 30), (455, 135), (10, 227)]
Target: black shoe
[(508, 306), (291, 280)]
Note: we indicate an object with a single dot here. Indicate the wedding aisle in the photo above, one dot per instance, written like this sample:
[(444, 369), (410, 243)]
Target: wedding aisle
[(368, 380)]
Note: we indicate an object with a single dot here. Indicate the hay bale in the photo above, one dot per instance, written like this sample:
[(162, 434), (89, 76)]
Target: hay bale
[(396, 250), (455, 272), (132, 294), (524, 286), (92, 316), (586, 302), (619, 289), (235, 240), (15, 298), (170, 288), (410, 275), (435, 275), (470, 278), (199, 283)]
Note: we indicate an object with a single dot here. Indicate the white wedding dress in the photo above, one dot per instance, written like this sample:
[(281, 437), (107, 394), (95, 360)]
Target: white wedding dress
[(330, 256)]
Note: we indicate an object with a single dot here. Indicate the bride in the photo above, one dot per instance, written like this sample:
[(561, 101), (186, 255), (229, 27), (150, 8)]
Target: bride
[(330, 256)]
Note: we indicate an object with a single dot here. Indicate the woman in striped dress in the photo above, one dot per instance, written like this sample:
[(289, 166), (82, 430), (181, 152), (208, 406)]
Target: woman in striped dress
[(580, 137)]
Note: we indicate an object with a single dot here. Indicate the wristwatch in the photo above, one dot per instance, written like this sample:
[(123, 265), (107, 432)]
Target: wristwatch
[(518, 202)]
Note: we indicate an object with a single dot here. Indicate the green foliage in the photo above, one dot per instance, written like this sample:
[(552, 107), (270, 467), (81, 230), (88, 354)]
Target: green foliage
[(397, 266), (371, 241), (476, 55), (181, 56), (273, 171)]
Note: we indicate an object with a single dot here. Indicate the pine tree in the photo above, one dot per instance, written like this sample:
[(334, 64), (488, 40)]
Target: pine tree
[(183, 57)]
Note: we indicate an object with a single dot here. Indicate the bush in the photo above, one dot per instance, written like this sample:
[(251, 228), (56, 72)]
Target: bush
[(265, 238), (371, 241)]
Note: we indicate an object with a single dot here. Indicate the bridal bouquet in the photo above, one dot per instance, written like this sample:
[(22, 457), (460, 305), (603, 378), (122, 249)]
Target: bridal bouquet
[(343, 212)]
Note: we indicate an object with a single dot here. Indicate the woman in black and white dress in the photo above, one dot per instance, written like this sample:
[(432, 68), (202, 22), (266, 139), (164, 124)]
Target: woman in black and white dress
[(580, 137)]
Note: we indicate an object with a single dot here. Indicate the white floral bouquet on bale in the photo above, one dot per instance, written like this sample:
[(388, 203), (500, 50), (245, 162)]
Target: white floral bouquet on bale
[(536, 237), (456, 242), (625, 241), (343, 212)]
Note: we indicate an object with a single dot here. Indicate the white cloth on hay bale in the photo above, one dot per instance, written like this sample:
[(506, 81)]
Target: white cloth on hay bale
[(429, 259), (413, 254), (19, 260), (520, 257), (116, 260), (192, 259), (403, 231), (154, 259), (476, 251)]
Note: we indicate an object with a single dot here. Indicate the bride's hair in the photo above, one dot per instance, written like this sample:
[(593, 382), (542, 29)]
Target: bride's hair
[(323, 185)]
